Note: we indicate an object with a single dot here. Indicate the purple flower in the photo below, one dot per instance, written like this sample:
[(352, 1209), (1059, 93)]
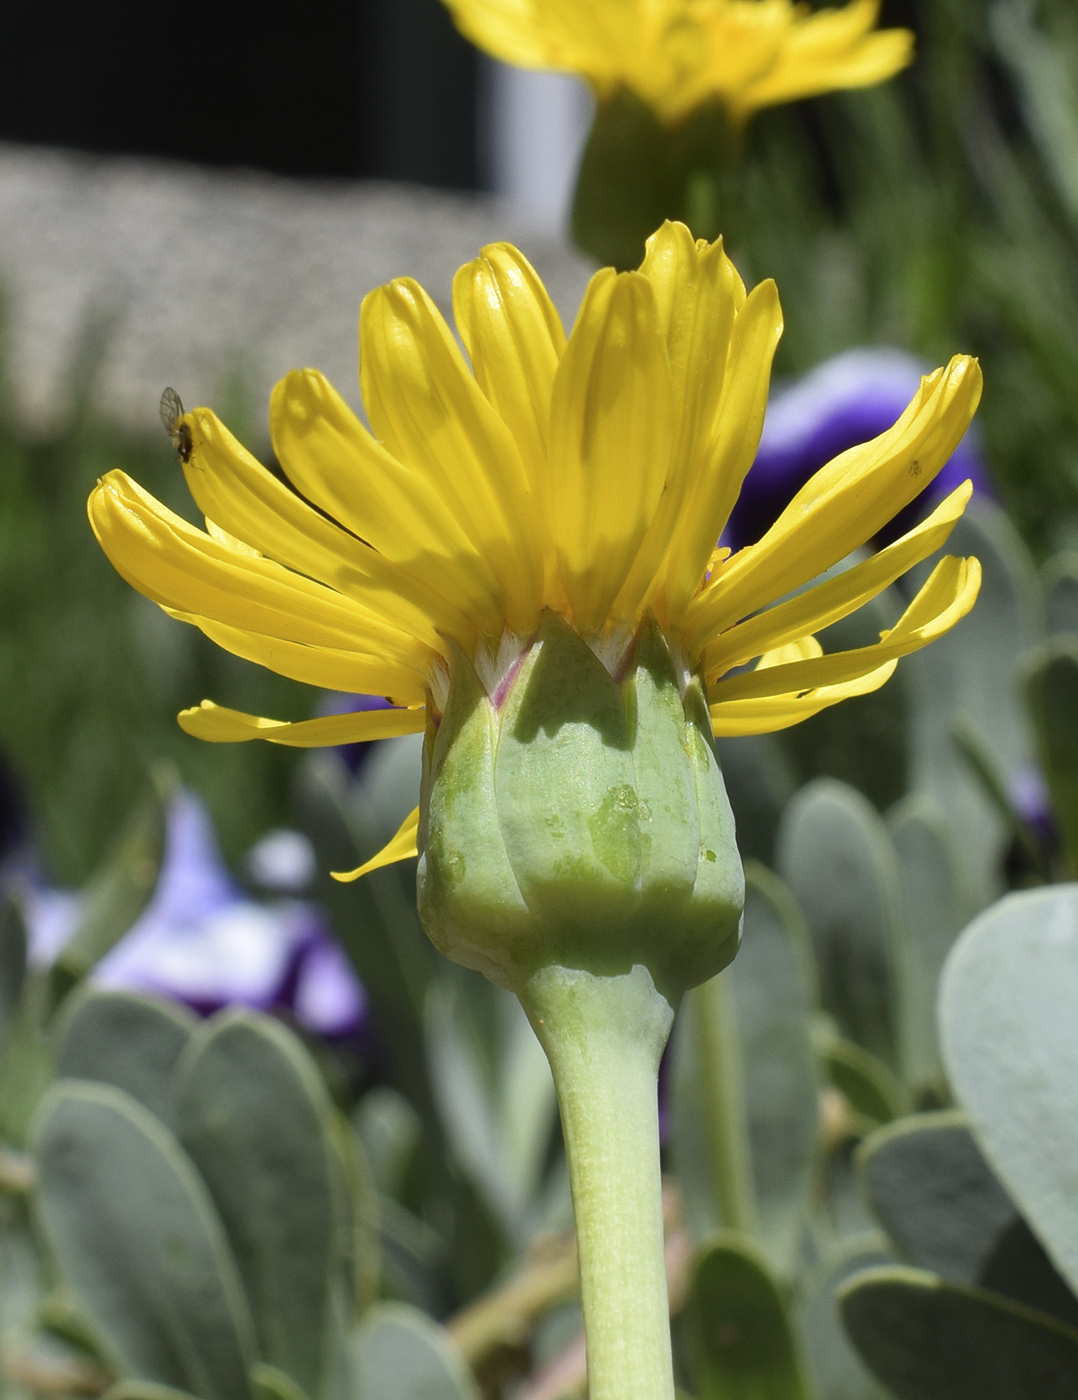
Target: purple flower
[(202, 940), (1032, 803), (847, 400), (339, 702)]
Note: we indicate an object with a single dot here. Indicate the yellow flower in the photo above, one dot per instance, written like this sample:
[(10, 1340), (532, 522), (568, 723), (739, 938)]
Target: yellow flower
[(676, 54), (586, 477)]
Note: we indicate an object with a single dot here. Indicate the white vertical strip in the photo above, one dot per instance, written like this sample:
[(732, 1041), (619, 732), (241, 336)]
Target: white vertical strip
[(534, 126)]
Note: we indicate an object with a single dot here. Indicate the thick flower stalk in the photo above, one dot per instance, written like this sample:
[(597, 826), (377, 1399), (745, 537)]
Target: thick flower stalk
[(521, 553), (677, 54)]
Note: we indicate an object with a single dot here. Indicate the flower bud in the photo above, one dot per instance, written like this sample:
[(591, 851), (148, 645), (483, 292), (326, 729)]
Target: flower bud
[(579, 819)]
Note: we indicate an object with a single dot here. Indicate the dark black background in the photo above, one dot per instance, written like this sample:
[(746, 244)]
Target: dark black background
[(381, 88)]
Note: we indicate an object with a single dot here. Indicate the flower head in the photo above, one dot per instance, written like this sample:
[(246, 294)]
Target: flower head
[(677, 54), (581, 481)]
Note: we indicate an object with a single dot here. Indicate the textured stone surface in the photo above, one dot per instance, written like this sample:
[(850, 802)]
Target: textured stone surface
[(193, 274)]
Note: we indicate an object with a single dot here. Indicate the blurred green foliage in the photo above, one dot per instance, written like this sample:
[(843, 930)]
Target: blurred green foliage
[(92, 674), (939, 212)]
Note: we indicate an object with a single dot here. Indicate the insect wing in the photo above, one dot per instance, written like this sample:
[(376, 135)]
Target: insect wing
[(171, 411)]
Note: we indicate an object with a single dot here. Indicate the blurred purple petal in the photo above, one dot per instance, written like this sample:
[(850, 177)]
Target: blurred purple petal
[(849, 399), (1033, 803), (237, 954), (195, 881), (203, 941), (329, 998), (200, 940)]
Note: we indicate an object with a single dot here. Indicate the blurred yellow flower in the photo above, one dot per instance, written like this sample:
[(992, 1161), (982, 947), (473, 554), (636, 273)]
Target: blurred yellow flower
[(676, 54), (589, 476)]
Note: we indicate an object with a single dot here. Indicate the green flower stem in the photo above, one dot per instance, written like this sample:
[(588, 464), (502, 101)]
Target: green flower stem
[(718, 1059), (604, 1037)]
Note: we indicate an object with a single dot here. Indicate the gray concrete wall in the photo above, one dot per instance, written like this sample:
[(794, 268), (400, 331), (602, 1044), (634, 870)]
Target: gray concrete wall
[(197, 274)]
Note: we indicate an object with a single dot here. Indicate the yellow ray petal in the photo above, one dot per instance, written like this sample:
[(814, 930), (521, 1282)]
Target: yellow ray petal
[(431, 414), (219, 725), (587, 39), (401, 847), (186, 570), (801, 649), (514, 337), (732, 718), (713, 50), (828, 50), (850, 499), (235, 491), (353, 672), (610, 441), (818, 607), (729, 453), (946, 597), (332, 460), (698, 295)]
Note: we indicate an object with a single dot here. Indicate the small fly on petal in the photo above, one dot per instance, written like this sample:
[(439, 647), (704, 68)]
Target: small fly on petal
[(172, 410)]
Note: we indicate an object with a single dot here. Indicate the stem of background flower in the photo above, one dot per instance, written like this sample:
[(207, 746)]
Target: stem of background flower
[(604, 1037), (719, 1075)]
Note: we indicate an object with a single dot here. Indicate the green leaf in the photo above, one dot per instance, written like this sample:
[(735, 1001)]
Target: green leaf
[(774, 995), (139, 1243), (127, 1040), (144, 1390), (1061, 593), (494, 1090), (773, 992), (26, 1052), (270, 1383), (935, 1195), (21, 1279), (838, 861), (254, 1116), (26, 1062), (928, 1183), (741, 1343), (835, 1367), (361, 1227), (1010, 1043), (391, 1133), (935, 906), (12, 960), (400, 1354), (930, 1340), (970, 673), (117, 895), (1050, 678), (869, 1087)]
